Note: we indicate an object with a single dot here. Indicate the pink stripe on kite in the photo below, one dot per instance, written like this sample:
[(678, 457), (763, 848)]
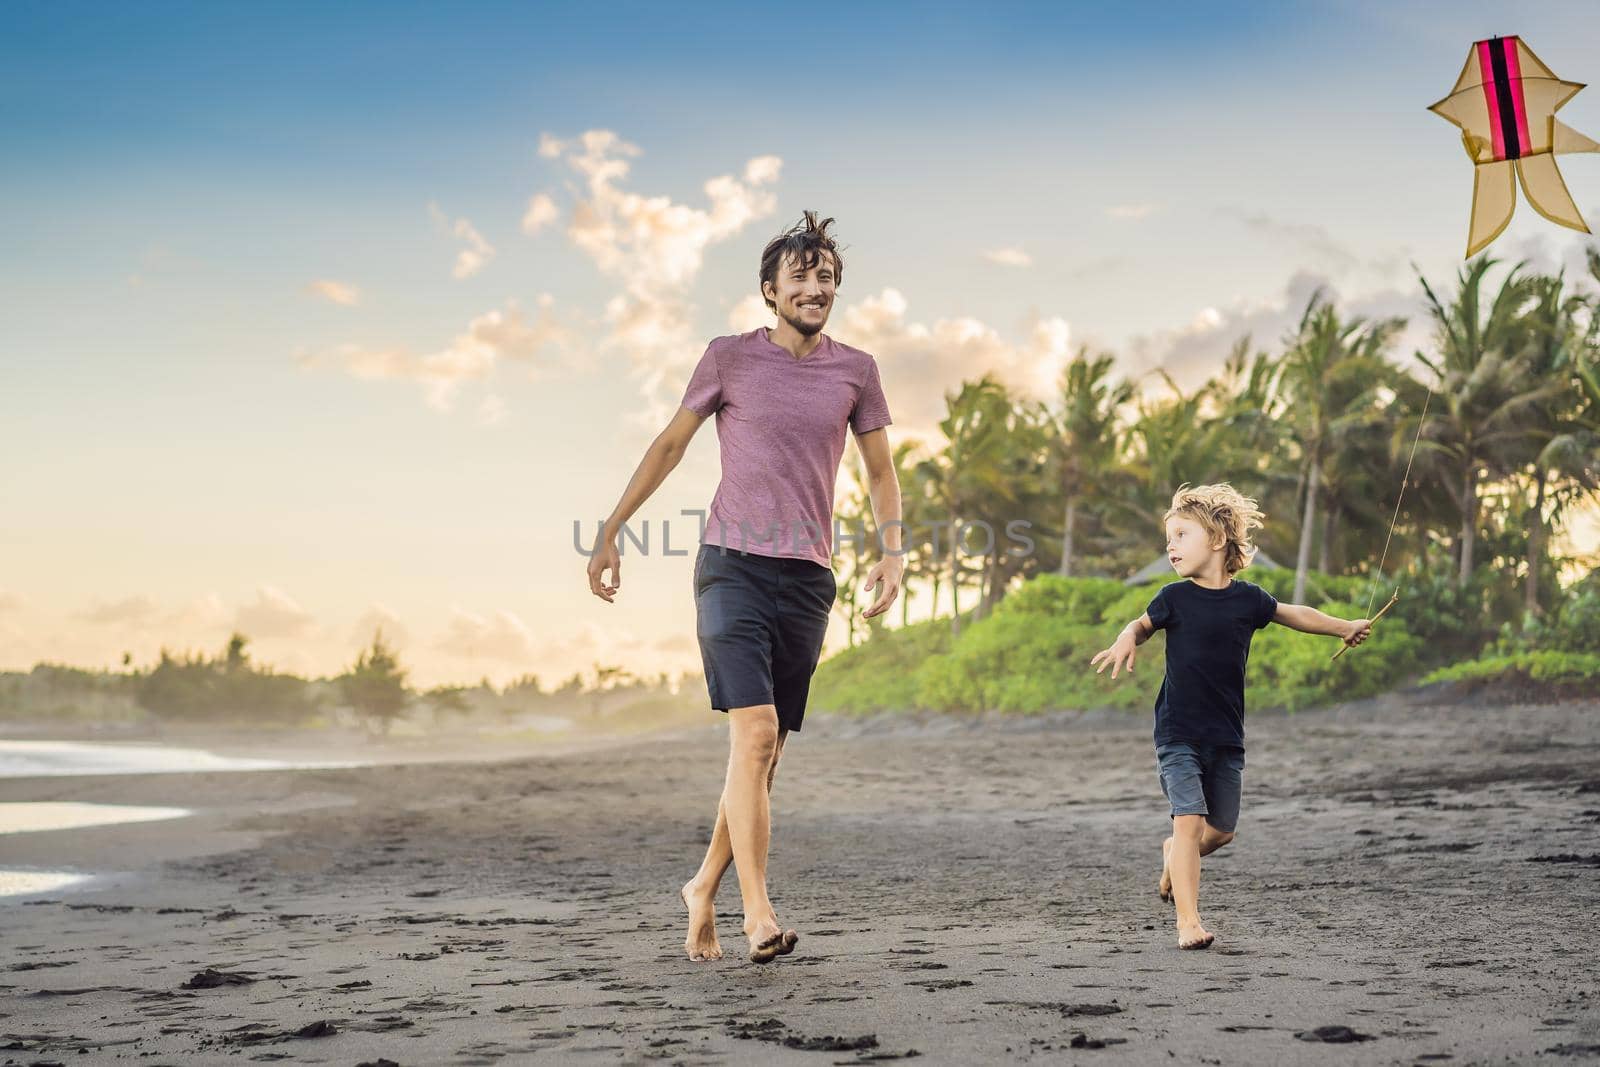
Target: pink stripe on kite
[(1486, 68), (1514, 70)]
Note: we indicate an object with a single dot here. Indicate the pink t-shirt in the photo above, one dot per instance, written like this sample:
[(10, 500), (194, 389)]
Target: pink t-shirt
[(780, 425)]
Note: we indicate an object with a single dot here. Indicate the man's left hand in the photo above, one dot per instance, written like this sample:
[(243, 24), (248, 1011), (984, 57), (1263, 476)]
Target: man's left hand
[(886, 575)]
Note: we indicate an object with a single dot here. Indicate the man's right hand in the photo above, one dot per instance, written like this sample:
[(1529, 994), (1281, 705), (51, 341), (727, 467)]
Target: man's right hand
[(605, 557)]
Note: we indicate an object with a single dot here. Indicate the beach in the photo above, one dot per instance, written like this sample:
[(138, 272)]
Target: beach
[(1414, 881)]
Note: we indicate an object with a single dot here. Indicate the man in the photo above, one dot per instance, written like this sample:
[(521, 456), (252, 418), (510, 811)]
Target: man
[(763, 576)]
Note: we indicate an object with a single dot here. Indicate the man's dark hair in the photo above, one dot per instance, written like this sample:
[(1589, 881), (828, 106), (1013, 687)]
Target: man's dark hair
[(805, 241)]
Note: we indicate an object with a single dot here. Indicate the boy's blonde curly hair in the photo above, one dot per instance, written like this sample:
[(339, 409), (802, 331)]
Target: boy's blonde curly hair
[(1225, 514)]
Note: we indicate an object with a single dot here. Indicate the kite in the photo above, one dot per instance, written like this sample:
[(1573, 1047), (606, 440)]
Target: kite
[(1505, 103)]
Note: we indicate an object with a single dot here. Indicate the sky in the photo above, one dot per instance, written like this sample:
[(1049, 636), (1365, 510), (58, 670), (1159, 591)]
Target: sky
[(321, 318)]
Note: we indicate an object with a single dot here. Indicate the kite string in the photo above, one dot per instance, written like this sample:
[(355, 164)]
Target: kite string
[(1404, 480)]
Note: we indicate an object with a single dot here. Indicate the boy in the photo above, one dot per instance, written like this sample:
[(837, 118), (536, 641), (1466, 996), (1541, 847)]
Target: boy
[(1199, 733)]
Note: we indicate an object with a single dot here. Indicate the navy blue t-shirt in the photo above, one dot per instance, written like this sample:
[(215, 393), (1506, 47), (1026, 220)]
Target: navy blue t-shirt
[(1208, 643)]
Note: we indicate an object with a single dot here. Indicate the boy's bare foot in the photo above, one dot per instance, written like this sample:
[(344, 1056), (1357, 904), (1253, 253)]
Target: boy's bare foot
[(768, 941), (1194, 936), (1164, 887), (701, 943)]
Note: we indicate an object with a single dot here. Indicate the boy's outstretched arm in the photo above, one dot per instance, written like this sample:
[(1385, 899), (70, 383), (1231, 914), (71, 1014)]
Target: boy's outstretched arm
[(1311, 621), (1122, 650)]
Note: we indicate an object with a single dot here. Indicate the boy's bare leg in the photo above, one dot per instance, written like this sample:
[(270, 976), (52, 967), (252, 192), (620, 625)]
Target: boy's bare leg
[(1183, 863), (1210, 840), (700, 892), (741, 835)]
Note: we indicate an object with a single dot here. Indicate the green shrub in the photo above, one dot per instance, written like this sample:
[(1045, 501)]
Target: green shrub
[(1017, 662), (1053, 595), (1033, 654), (1289, 669), (1570, 625), (1548, 670), (880, 674)]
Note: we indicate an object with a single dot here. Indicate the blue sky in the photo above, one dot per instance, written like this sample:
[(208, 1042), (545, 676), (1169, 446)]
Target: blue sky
[(203, 453)]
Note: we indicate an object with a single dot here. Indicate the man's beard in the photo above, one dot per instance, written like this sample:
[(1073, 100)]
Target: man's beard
[(805, 329)]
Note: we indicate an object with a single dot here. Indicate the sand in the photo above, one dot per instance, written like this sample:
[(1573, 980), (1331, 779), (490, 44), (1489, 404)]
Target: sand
[(1412, 883)]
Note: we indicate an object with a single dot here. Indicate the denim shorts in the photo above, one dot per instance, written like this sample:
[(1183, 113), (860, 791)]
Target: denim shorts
[(1203, 780), (761, 621)]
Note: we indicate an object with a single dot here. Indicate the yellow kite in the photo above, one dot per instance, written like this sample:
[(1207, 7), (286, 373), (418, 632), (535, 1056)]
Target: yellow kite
[(1505, 103)]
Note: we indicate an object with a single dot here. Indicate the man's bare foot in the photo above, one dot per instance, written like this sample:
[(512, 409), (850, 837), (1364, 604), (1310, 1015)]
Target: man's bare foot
[(1194, 936), (1164, 887), (701, 943), (768, 941)]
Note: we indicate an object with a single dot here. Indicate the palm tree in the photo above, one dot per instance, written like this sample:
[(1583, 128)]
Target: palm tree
[(931, 489), (1084, 442), (1175, 439), (1488, 396), (915, 513), (1252, 439), (1361, 477), (854, 511), (991, 456), (1565, 435), (1018, 490), (1328, 380), (376, 686)]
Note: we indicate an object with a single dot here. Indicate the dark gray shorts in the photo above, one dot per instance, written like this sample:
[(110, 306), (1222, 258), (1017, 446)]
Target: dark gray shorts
[(761, 620), (1203, 780)]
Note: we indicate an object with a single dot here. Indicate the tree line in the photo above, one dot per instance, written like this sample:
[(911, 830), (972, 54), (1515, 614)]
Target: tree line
[(1501, 407), (230, 687)]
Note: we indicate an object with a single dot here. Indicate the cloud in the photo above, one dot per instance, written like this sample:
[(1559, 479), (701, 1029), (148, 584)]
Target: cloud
[(1194, 351), (1096, 268), (502, 335), (1304, 238), (542, 211), (336, 292), (763, 170), (677, 644), (1009, 257), (204, 612), (1132, 212), (491, 410), (129, 611), (294, 660), (649, 243), (157, 261), (502, 637), (1547, 251), (273, 614), (471, 259), (919, 362), (751, 312), (587, 643), (479, 643), (653, 247), (9, 602), (379, 617)]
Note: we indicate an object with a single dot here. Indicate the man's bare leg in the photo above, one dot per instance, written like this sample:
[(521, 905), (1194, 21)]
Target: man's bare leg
[(700, 892), (1211, 840), (753, 743), (1190, 837)]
